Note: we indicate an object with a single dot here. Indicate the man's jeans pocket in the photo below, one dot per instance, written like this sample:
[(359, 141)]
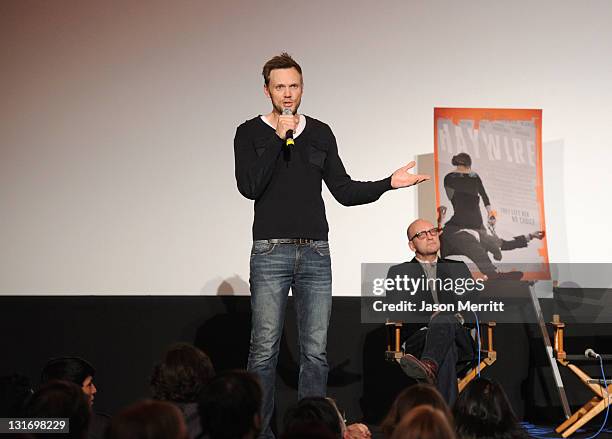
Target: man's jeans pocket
[(321, 247), (262, 247)]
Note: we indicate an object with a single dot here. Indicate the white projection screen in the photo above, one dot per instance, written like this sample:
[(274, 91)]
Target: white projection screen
[(117, 121)]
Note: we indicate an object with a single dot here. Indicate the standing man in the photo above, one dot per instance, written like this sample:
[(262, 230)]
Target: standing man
[(281, 159)]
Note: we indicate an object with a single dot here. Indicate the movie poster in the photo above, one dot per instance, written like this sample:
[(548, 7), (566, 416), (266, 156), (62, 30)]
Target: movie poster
[(489, 194)]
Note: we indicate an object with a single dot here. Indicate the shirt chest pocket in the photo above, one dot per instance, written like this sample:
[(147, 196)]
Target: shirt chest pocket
[(260, 146), (317, 154)]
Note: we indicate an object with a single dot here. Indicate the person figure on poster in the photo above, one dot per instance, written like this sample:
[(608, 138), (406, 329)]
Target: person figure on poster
[(446, 339), (465, 233), (281, 160)]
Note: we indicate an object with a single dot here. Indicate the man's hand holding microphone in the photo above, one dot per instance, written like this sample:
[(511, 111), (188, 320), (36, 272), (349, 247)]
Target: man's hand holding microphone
[(286, 126)]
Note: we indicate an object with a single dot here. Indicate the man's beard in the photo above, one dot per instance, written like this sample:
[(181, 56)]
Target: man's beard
[(279, 109)]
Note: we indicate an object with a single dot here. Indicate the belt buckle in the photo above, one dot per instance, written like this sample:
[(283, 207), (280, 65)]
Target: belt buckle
[(304, 241)]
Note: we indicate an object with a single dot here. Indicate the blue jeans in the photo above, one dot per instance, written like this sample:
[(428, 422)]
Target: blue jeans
[(441, 348), (306, 269)]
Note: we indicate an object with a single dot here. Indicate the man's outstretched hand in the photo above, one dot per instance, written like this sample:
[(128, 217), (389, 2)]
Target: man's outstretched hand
[(403, 178)]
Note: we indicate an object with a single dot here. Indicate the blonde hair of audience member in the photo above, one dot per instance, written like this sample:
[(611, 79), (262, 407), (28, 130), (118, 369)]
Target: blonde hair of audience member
[(424, 422), (409, 398), (148, 420)]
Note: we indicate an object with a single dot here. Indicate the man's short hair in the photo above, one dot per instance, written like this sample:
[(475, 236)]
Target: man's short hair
[(229, 405), (310, 412), (61, 399), (282, 61), (182, 374), (73, 369)]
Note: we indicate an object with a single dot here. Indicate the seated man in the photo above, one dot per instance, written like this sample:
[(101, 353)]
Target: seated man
[(447, 339)]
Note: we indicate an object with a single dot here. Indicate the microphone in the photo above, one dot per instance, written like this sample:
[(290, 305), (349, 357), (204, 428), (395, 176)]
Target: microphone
[(590, 353), (289, 135)]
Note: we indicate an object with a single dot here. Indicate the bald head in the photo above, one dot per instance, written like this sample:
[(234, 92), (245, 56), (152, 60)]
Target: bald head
[(417, 226), (427, 244)]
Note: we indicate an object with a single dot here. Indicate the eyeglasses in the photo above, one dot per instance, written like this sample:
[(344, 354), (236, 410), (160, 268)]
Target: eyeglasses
[(421, 235)]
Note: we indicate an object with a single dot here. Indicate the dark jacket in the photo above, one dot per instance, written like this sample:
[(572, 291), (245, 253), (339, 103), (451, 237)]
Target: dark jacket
[(450, 273)]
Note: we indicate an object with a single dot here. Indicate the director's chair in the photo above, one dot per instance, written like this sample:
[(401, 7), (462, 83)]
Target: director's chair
[(595, 405), (488, 356)]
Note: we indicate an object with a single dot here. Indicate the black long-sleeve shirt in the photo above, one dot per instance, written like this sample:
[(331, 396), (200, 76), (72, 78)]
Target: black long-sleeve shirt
[(464, 190), (286, 183)]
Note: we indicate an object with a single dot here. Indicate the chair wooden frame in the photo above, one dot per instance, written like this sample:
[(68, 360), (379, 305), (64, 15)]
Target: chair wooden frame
[(595, 405), (488, 355)]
